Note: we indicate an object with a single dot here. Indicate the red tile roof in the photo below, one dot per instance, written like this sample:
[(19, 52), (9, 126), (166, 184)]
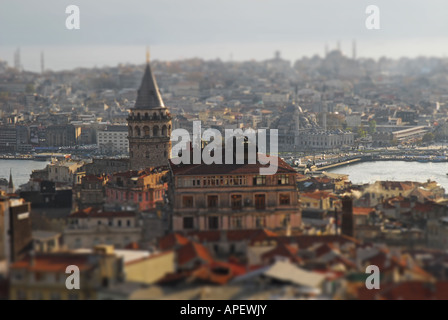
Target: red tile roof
[(305, 241), (171, 240), (318, 194), (362, 211), (93, 178), (54, 262), (416, 290), (204, 169), (231, 235), (192, 251), (283, 250)]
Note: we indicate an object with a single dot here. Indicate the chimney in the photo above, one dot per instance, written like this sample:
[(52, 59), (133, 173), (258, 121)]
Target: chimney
[(347, 223)]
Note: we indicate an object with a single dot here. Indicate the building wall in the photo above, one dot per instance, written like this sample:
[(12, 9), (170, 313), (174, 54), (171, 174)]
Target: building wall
[(88, 232), (151, 269), (249, 215), (113, 140)]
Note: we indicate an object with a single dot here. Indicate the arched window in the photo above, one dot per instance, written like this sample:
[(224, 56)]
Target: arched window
[(164, 131), (146, 131), (137, 131), (138, 115), (154, 115), (130, 131), (146, 115), (155, 131)]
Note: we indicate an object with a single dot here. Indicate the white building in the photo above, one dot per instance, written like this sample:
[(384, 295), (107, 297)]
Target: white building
[(113, 139)]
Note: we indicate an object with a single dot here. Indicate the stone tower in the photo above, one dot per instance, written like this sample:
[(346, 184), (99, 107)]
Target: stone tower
[(149, 126)]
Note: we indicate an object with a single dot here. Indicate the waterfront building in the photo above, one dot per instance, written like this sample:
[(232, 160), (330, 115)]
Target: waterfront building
[(62, 135), (8, 138), (113, 139), (149, 125), (326, 140)]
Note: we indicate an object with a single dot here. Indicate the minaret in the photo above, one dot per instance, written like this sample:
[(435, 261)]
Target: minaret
[(17, 62), (11, 183), (42, 63), (149, 125)]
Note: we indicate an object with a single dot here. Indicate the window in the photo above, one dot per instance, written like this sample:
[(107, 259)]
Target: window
[(259, 180), (284, 199), (119, 223), (128, 223), (213, 223), (187, 201), (283, 179), (236, 202), (237, 222), (188, 223), (260, 201), (212, 201)]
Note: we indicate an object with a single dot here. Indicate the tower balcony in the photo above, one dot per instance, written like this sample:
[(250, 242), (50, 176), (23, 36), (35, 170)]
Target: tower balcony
[(146, 118)]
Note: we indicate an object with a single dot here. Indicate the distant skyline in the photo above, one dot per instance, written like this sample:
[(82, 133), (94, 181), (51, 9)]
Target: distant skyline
[(115, 31)]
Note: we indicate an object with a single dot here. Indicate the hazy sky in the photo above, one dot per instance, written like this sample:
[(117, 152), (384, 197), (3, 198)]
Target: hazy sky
[(219, 28)]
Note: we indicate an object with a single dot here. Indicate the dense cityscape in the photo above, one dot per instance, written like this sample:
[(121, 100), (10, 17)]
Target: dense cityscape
[(111, 201)]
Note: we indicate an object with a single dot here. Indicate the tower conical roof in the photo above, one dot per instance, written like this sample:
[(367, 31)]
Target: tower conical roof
[(10, 184), (148, 96)]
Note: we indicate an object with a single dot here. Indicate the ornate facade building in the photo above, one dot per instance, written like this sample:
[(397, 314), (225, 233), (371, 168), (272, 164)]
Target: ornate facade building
[(149, 125)]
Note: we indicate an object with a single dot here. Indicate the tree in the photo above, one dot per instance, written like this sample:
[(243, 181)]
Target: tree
[(428, 137), (372, 126), (361, 133)]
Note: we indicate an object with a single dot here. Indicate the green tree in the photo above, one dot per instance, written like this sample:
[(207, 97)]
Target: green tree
[(372, 126), (361, 133), (428, 137)]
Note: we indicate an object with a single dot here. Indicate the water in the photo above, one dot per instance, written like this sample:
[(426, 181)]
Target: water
[(368, 172), (21, 169)]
